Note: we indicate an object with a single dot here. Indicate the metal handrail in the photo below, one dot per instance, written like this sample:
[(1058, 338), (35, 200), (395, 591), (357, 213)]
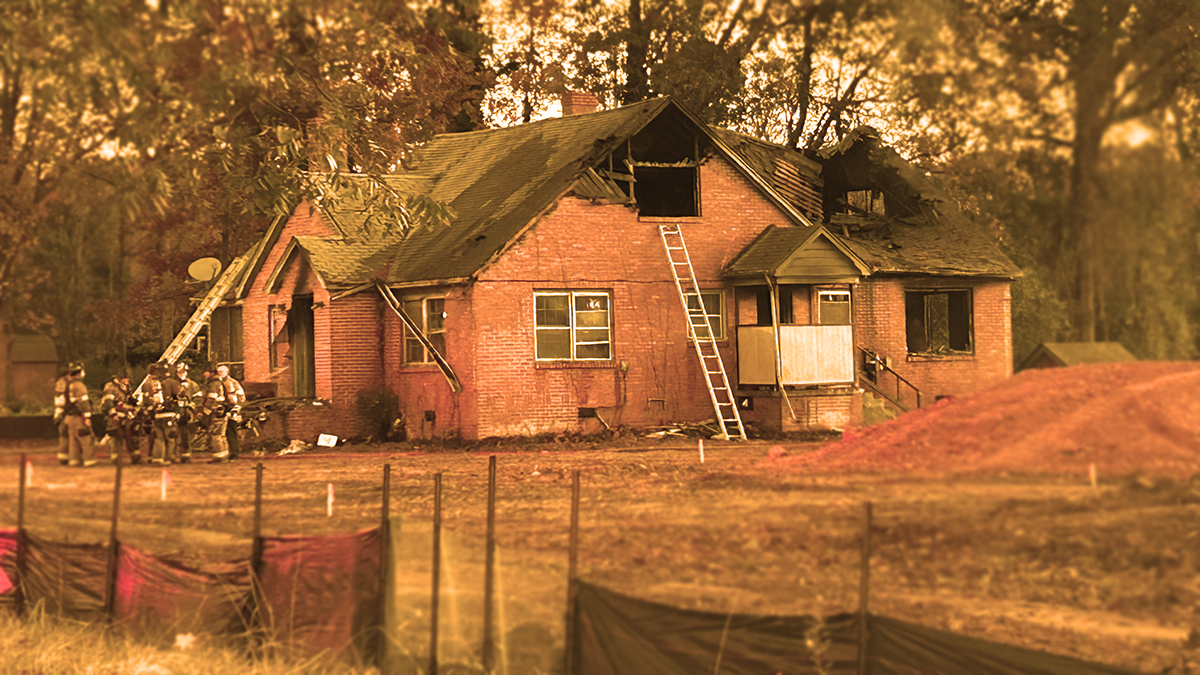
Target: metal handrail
[(881, 364)]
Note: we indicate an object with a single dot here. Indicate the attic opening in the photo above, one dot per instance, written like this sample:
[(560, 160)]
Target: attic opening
[(659, 167), (668, 191)]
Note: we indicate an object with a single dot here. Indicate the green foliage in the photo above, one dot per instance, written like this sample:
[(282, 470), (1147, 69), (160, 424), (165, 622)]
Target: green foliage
[(135, 138), (1038, 314)]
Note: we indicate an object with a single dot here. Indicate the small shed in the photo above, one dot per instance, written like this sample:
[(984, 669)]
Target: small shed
[(1064, 354), (32, 366)]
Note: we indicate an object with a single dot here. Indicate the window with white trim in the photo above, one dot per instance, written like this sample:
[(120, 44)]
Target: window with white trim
[(833, 308), (572, 326), (708, 306), (430, 316)]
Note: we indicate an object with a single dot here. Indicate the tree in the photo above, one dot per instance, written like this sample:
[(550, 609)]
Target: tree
[(1062, 75), (195, 123)]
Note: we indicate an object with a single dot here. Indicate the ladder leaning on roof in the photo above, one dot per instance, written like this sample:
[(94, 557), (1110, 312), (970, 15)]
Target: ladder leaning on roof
[(700, 333), (203, 311)]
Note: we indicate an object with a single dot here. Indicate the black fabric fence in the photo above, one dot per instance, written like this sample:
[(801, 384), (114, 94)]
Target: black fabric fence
[(315, 593), (614, 634)]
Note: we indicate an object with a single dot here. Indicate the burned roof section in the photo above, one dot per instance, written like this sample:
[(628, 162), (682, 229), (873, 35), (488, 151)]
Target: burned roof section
[(795, 176), (896, 219)]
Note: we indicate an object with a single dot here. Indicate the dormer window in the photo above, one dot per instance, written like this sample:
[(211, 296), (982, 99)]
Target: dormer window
[(671, 191)]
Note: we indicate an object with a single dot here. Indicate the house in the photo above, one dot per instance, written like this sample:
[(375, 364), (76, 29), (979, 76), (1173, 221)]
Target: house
[(1066, 354), (550, 302)]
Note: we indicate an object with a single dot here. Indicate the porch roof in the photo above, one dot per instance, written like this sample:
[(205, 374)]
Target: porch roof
[(796, 255)]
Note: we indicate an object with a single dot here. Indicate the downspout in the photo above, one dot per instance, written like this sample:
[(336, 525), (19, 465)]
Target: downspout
[(440, 360), (778, 348)]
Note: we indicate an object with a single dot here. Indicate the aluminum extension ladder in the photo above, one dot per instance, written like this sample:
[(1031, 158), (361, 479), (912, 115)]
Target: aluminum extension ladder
[(204, 310), (700, 333)]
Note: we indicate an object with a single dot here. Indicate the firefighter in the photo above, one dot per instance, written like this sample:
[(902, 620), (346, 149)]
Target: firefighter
[(60, 416), (235, 396), (77, 414), (120, 407), (161, 398), (189, 397), (213, 414)]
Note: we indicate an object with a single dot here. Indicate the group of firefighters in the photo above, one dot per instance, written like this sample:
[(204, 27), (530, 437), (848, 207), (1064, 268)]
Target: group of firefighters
[(169, 415)]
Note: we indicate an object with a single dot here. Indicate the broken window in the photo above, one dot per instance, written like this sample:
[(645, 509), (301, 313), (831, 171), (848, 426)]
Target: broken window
[(572, 326), (707, 307), (430, 316), (865, 201), (670, 191), (833, 308), (938, 322)]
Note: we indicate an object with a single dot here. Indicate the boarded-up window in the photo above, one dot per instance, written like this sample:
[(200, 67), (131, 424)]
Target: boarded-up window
[(430, 316), (938, 321), (707, 308), (572, 326), (833, 308)]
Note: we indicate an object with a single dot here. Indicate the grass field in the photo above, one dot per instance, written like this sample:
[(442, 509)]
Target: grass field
[(1107, 573)]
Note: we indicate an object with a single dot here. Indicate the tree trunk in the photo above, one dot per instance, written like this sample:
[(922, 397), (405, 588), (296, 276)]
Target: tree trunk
[(637, 82), (1093, 72)]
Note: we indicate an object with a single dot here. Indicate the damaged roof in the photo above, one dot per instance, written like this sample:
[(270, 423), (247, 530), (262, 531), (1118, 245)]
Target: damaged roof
[(496, 183), (920, 231), (795, 176)]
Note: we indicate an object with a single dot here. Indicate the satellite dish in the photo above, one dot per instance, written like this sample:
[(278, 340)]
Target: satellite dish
[(205, 269)]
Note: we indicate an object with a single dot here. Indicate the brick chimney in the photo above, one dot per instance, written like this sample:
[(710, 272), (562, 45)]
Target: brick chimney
[(578, 103)]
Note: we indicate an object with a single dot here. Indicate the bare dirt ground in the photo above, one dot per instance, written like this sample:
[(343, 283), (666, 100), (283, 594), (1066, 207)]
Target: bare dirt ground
[(986, 519), (1044, 560)]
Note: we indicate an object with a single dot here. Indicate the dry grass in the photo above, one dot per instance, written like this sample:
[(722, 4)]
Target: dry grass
[(1107, 574)]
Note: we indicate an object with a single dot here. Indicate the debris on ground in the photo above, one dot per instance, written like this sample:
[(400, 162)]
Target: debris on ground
[(1114, 419), (294, 447), (705, 429)]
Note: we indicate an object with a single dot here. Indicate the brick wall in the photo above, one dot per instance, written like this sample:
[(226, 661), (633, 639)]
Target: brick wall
[(422, 388), (345, 365), (879, 324), (654, 377)]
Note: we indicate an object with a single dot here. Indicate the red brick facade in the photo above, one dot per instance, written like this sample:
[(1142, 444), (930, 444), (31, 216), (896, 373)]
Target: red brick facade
[(879, 324), (653, 376)]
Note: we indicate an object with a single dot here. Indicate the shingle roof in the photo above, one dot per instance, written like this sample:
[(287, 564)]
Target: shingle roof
[(767, 252), (1079, 353), (795, 176), (499, 181), (924, 232)]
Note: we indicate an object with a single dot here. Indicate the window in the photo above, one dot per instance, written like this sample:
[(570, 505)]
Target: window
[(572, 326), (430, 316), (280, 346), (938, 322), (225, 334), (708, 307), (833, 308), (667, 191)]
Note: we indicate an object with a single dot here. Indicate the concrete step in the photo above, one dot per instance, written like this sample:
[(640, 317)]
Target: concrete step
[(876, 410)]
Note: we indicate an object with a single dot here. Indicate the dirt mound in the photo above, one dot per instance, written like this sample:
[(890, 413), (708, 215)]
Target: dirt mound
[(1124, 418)]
